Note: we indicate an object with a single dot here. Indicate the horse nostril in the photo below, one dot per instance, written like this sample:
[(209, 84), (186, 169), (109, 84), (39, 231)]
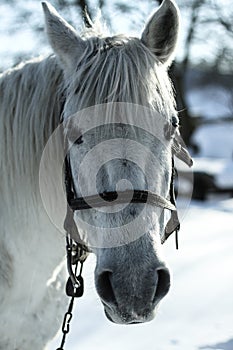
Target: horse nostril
[(163, 284), (104, 287)]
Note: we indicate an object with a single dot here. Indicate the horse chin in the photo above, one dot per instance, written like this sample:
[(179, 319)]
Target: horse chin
[(127, 319)]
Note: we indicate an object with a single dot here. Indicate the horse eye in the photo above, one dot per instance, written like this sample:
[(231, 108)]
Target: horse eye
[(175, 121)]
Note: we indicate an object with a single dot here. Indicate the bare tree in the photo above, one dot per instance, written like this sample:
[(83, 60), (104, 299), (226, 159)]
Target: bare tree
[(209, 25)]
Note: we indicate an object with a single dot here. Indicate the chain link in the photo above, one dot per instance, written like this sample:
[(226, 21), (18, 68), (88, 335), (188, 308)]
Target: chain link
[(74, 286), (66, 323)]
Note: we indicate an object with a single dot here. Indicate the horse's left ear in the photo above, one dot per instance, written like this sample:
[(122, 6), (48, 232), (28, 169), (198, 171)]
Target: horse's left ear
[(161, 32), (63, 38)]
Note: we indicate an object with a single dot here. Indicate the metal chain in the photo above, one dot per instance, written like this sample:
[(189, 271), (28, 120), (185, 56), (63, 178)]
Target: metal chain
[(74, 286), (66, 323)]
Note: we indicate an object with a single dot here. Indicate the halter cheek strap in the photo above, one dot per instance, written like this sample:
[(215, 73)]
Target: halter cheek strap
[(180, 151), (173, 225)]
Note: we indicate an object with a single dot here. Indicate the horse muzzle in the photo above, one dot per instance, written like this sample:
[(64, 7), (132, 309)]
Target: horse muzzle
[(132, 300)]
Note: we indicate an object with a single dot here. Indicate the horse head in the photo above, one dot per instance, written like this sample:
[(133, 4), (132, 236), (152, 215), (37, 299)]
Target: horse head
[(118, 104)]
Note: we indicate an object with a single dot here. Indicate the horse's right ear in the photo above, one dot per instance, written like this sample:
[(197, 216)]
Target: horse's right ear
[(63, 38), (161, 31)]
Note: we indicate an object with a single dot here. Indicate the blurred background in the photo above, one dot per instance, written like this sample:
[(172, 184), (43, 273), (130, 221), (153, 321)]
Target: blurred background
[(198, 313)]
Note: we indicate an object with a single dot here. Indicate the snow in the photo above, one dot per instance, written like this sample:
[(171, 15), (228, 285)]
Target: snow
[(215, 156), (212, 101), (215, 140), (197, 313), (220, 168), (212, 165), (225, 178)]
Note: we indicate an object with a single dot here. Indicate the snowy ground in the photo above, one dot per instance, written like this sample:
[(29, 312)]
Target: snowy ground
[(198, 312)]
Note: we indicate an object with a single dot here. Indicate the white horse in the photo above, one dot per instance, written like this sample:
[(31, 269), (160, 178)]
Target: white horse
[(94, 69)]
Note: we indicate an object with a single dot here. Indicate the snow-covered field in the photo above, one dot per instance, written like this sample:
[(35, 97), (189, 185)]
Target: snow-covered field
[(198, 312)]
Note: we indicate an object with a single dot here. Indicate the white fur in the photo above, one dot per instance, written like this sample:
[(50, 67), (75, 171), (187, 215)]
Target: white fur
[(31, 248)]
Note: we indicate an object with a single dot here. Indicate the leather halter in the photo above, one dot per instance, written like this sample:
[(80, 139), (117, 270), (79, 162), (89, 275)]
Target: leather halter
[(78, 251), (129, 196)]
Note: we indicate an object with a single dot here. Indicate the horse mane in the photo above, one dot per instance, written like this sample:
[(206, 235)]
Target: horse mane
[(119, 69), (30, 109)]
